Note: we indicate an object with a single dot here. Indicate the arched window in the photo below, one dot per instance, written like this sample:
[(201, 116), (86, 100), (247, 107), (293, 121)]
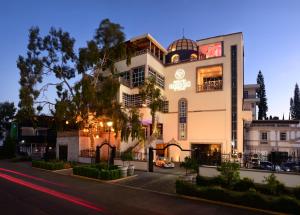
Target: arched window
[(182, 119), (175, 58), (193, 57)]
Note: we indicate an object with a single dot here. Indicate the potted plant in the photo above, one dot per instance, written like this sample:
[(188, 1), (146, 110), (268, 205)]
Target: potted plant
[(189, 164), (127, 156)]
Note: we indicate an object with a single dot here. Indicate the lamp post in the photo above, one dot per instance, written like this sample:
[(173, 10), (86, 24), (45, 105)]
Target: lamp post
[(109, 125)]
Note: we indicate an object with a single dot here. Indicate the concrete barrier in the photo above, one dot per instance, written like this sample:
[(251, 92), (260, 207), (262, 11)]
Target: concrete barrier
[(289, 179), (139, 165)]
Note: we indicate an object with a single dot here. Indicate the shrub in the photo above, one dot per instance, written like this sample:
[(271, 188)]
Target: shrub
[(286, 204), (244, 184), (48, 165), (250, 198), (296, 192), (86, 171), (207, 181), (229, 172), (273, 186), (110, 174), (189, 164)]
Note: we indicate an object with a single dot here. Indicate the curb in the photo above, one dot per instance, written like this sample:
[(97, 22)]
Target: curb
[(100, 180)]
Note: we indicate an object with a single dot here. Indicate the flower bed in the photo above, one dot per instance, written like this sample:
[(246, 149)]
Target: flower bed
[(250, 198), (51, 165), (99, 171)]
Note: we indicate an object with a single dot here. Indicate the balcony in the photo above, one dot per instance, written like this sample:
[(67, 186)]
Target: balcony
[(251, 98), (210, 86)]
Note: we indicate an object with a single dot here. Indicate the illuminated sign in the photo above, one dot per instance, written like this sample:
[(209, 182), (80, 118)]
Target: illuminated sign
[(210, 50), (180, 83)]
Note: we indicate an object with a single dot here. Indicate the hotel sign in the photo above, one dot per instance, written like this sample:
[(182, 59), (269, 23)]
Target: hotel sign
[(180, 83)]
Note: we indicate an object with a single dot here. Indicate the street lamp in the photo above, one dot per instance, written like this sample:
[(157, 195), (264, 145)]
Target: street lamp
[(109, 125)]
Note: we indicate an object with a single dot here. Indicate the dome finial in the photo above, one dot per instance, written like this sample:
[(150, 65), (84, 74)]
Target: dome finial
[(183, 33)]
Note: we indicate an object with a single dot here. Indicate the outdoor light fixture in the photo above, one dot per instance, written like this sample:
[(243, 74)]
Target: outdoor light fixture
[(97, 136), (67, 122), (101, 124), (109, 123)]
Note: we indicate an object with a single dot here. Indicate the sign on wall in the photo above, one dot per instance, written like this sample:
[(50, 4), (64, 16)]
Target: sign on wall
[(180, 83)]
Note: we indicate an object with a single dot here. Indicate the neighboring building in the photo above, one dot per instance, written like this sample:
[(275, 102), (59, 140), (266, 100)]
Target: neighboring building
[(266, 136), (35, 137), (250, 98)]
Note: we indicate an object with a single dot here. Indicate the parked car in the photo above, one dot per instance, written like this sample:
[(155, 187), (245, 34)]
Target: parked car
[(164, 163), (267, 165)]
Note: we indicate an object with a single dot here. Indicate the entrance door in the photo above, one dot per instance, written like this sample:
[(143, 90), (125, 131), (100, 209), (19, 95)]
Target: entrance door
[(63, 152), (208, 154)]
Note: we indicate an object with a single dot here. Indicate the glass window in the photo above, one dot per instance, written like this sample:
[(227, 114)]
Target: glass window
[(182, 119), (264, 137), (210, 50), (159, 79), (175, 58), (134, 100), (246, 94), (282, 135), (138, 76), (194, 57), (210, 78)]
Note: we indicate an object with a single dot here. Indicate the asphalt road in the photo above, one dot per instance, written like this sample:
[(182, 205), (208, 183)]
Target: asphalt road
[(26, 190)]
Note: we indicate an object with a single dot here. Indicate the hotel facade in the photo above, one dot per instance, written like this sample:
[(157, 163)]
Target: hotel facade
[(203, 85)]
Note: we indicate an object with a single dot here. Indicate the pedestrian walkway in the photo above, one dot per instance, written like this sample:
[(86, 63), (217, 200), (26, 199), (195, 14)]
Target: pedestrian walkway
[(151, 181)]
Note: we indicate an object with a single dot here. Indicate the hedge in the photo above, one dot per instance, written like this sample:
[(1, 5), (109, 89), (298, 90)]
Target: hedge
[(48, 165), (98, 171), (250, 198)]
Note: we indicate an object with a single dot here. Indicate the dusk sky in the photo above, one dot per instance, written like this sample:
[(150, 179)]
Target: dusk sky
[(271, 32)]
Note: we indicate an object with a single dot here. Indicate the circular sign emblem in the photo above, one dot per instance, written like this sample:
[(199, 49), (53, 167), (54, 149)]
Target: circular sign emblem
[(179, 74)]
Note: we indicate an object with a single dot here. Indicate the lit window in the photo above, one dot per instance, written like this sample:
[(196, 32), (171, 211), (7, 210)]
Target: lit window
[(194, 57), (210, 78), (175, 58), (210, 50)]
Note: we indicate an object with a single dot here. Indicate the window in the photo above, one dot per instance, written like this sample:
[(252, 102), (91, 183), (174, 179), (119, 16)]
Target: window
[(264, 137), (134, 100), (193, 57), (182, 119), (175, 58), (246, 94), (165, 107), (138, 76), (159, 79), (125, 78), (210, 78), (210, 50), (282, 135)]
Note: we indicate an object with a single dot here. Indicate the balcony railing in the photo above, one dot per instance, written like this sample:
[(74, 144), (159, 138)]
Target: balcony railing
[(210, 86), (250, 97)]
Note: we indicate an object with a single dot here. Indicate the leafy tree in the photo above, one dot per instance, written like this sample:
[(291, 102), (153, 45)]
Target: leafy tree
[(93, 96), (7, 113), (261, 94), (152, 94), (189, 164), (295, 104)]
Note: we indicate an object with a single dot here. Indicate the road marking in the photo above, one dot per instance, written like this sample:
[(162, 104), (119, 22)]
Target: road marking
[(51, 192)]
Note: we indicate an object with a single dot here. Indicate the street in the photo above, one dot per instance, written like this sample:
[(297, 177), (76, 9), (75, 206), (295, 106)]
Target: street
[(26, 190)]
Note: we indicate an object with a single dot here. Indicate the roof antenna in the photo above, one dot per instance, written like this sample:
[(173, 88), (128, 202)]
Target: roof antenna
[(183, 33)]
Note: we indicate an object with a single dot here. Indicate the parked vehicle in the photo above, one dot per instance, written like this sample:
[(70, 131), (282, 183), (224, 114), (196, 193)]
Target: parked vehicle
[(267, 165), (164, 163), (291, 166)]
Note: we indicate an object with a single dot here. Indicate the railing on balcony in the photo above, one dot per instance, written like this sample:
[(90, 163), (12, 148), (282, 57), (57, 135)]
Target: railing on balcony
[(88, 153), (210, 86), (250, 97), (141, 52)]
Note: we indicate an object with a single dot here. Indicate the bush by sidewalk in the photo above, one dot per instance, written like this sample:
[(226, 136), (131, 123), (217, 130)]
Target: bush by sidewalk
[(250, 198), (50, 165), (100, 171)]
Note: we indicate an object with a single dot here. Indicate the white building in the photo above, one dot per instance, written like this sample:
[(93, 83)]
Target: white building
[(266, 136)]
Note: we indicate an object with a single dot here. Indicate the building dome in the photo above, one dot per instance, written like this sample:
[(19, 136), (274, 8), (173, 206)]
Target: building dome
[(182, 50), (182, 44)]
